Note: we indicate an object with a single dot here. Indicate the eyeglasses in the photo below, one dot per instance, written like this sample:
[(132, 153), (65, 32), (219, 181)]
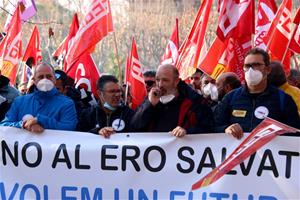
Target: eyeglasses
[(112, 91), (149, 83), (196, 78), (213, 81), (254, 66)]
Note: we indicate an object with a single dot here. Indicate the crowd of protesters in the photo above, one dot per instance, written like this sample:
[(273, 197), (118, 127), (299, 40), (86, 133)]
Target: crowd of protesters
[(198, 105)]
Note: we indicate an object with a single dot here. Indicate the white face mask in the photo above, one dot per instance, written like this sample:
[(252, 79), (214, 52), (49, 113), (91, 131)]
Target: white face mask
[(211, 90), (166, 98), (45, 85), (214, 93), (253, 77)]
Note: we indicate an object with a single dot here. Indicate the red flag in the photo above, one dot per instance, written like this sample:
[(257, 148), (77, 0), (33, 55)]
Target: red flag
[(232, 19), (235, 30), (265, 14), (236, 25), (226, 56), (236, 51), (95, 26), (85, 73), (209, 64), (190, 50), (11, 48), (262, 134), (295, 41), (33, 48), (64, 45), (281, 32), (135, 78), (171, 53)]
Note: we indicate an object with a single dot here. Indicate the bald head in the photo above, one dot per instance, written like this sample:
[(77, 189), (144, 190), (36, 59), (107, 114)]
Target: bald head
[(228, 78), (226, 82), (43, 66), (43, 70), (170, 68), (167, 79)]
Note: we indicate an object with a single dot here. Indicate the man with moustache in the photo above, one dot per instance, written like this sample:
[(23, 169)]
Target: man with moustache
[(173, 106)]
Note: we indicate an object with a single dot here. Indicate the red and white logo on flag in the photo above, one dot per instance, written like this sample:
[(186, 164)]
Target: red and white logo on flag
[(295, 41), (135, 78), (95, 26), (295, 44), (233, 15), (266, 131), (265, 14), (11, 48), (85, 73), (285, 23), (171, 53), (281, 32)]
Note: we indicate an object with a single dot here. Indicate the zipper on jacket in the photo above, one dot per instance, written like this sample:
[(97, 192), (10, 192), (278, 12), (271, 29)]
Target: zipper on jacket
[(252, 116), (108, 119)]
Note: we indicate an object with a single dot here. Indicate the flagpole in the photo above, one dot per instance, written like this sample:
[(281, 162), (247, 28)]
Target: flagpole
[(117, 57), (126, 93)]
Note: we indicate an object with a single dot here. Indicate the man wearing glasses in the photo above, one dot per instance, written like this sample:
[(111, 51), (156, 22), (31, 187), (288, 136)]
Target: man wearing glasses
[(110, 115), (244, 108)]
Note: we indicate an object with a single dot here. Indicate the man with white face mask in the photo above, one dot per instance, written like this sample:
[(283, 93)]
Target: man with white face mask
[(110, 115), (244, 108), (173, 106), (209, 90), (45, 108)]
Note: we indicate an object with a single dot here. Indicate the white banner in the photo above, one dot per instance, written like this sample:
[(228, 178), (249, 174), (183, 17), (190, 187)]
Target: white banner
[(149, 166)]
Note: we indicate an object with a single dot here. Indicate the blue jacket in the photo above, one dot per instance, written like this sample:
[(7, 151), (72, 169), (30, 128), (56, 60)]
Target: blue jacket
[(239, 106), (52, 110)]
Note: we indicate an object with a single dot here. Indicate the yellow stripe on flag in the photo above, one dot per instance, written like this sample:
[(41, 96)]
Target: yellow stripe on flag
[(218, 70), (6, 68)]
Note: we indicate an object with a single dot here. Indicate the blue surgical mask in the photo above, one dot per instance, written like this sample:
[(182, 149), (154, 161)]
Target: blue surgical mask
[(109, 107)]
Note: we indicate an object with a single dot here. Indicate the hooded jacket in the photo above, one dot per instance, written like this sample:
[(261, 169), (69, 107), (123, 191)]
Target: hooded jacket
[(52, 110)]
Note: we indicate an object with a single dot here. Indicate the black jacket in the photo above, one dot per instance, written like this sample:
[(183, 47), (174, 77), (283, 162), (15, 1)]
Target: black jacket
[(94, 118), (239, 106), (188, 111), (4, 107)]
